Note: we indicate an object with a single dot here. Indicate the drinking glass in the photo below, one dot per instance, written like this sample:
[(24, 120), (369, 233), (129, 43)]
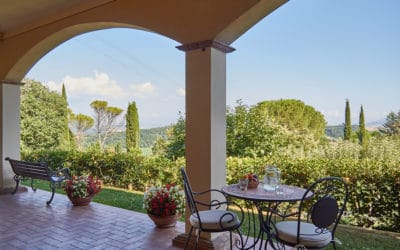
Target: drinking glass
[(243, 184)]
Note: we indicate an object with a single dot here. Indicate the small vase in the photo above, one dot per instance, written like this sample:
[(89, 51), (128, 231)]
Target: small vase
[(78, 201), (164, 221)]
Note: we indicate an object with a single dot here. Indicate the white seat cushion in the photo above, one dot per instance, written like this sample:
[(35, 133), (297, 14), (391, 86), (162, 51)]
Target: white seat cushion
[(210, 219), (309, 236)]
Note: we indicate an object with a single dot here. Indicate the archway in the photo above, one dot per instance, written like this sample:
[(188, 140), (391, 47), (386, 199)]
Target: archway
[(205, 42)]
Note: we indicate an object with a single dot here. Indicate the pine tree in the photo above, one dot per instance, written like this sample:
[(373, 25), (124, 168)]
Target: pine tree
[(392, 124), (132, 128), (105, 119), (81, 123), (347, 126)]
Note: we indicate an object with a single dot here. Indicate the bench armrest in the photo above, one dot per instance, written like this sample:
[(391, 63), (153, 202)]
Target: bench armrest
[(63, 173)]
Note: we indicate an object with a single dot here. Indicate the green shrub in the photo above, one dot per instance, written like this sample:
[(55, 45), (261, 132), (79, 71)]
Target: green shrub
[(373, 181), (115, 169)]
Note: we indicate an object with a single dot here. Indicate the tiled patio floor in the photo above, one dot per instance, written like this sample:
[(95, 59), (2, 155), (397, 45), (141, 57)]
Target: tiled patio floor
[(26, 222)]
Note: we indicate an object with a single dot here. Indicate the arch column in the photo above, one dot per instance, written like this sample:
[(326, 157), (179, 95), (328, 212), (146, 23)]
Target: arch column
[(205, 118), (9, 132)]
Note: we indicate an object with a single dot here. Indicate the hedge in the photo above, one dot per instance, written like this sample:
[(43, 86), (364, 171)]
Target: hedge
[(374, 183)]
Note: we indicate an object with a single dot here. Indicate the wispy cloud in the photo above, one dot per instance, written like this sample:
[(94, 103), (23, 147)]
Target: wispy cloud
[(98, 85), (143, 90), (334, 113), (181, 92)]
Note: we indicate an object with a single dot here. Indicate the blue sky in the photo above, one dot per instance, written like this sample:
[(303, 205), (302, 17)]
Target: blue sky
[(320, 52)]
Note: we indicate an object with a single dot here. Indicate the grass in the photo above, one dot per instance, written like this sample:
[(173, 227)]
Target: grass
[(351, 237), (121, 198), (116, 197), (355, 237), (360, 238)]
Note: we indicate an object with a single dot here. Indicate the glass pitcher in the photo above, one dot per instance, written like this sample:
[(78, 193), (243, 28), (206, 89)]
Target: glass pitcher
[(272, 178)]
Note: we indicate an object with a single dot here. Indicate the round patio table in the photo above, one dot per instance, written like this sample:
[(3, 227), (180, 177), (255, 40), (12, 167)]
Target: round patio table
[(266, 204)]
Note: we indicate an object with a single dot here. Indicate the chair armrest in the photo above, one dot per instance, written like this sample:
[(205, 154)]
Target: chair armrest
[(210, 191), (214, 203), (233, 206)]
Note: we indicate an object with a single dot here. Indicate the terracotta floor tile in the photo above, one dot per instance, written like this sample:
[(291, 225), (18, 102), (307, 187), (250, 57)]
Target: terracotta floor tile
[(26, 222)]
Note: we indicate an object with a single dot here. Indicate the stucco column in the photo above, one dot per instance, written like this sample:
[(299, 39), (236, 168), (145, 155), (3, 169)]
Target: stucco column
[(205, 116), (9, 133)]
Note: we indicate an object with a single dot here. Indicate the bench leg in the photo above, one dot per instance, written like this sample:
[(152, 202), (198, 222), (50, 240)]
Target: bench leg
[(16, 179), (53, 189), (34, 189)]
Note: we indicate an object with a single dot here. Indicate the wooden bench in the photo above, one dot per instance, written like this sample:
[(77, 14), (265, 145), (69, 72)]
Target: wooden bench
[(23, 170)]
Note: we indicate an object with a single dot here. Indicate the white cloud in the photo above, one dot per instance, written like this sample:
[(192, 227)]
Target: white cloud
[(181, 92), (143, 90), (54, 86), (98, 85)]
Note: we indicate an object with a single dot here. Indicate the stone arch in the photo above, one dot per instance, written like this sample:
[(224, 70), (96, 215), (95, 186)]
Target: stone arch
[(41, 48), (188, 22)]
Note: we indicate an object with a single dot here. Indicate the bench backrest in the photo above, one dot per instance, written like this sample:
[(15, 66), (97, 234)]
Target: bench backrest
[(30, 169)]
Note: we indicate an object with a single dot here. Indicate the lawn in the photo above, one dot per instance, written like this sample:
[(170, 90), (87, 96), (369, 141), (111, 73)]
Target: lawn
[(351, 237)]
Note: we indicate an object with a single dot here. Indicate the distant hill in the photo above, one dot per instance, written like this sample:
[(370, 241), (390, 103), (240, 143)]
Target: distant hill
[(336, 131), (373, 126), (147, 137)]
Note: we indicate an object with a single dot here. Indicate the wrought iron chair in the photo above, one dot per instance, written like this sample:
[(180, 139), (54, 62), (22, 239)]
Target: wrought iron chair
[(317, 217), (216, 218)]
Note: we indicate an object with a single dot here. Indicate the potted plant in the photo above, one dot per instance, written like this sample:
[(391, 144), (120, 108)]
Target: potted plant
[(81, 189), (164, 204)]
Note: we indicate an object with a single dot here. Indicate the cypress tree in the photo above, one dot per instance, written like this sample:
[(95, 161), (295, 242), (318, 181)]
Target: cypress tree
[(362, 131), (347, 125), (64, 93), (66, 136), (132, 128)]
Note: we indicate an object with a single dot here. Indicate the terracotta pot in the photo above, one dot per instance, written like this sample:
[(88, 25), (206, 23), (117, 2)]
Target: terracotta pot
[(77, 201), (165, 221)]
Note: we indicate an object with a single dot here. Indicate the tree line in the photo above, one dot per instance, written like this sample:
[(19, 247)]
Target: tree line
[(48, 123), (257, 131), (270, 127)]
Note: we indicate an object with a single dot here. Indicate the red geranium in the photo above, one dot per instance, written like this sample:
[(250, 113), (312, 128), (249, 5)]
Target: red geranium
[(164, 201)]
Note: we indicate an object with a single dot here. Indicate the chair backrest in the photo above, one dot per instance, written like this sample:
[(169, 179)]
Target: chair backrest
[(326, 206), (189, 193)]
